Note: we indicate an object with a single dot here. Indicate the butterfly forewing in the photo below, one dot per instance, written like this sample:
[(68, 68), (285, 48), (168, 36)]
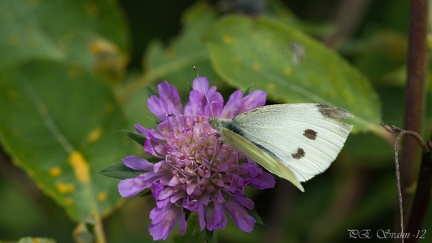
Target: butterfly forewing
[(305, 138)]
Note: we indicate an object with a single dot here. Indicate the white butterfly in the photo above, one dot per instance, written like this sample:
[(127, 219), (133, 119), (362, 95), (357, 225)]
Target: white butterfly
[(293, 141)]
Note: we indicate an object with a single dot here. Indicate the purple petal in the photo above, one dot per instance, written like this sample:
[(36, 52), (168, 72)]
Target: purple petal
[(169, 94), (133, 186), (216, 103), (157, 214), (215, 217), (255, 177), (253, 100), (195, 104), (156, 189), (239, 182), (140, 129), (249, 169), (137, 163), (165, 127), (197, 97), (203, 100), (191, 188), (233, 105), (263, 181), (200, 84), (248, 203), (163, 221), (201, 216), (191, 205), (183, 224), (163, 203), (168, 101), (179, 195), (174, 181), (153, 145), (218, 197), (239, 214), (167, 192), (145, 131), (205, 199)]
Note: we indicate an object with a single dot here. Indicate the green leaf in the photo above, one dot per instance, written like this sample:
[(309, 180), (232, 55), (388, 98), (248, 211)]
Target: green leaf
[(62, 125), (151, 91), (60, 121), (137, 137), (31, 240), (255, 215), (120, 171), (209, 235), (175, 62), (35, 239), (145, 193), (290, 67), (45, 30), (278, 10), (84, 231), (381, 56), (193, 232)]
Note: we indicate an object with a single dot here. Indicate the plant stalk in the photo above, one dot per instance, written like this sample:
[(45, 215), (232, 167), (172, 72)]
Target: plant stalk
[(414, 99)]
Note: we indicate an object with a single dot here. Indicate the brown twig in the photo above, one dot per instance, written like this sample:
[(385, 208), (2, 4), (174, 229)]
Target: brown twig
[(424, 186), (422, 197), (394, 129), (414, 97)]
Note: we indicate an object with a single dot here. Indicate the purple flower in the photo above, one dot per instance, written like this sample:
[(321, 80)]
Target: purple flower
[(196, 171)]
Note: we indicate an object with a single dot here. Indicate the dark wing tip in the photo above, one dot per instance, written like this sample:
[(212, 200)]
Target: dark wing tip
[(332, 112)]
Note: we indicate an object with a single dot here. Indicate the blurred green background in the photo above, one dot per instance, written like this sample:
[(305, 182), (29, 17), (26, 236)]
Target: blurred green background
[(74, 73)]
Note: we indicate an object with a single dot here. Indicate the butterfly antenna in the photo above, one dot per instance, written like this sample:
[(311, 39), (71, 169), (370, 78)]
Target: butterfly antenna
[(205, 94), (238, 165), (215, 151)]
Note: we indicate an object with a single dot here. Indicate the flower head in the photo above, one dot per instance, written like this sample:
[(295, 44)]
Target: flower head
[(196, 170)]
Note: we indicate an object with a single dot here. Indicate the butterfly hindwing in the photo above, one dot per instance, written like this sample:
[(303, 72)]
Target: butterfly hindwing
[(263, 158)]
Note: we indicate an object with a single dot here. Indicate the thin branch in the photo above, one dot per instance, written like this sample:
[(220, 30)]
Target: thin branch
[(422, 196), (414, 97), (393, 129), (426, 150)]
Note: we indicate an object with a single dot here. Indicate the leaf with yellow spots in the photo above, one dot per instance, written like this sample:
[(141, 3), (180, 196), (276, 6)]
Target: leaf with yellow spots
[(64, 188), (35, 240), (29, 32), (55, 171), (102, 196), (95, 135), (291, 67), (60, 121), (59, 130)]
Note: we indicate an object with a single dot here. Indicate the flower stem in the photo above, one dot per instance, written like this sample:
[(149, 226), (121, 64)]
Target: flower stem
[(414, 99)]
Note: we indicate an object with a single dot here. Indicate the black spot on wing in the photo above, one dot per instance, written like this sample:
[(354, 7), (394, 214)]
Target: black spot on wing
[(299, 154), (309, 133), (332, 112)]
